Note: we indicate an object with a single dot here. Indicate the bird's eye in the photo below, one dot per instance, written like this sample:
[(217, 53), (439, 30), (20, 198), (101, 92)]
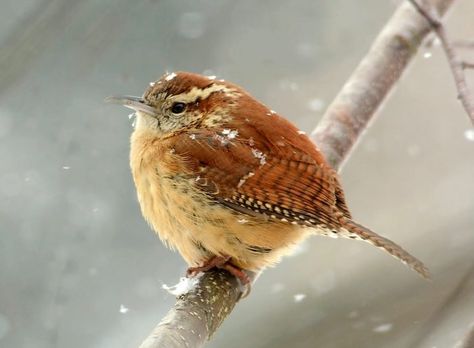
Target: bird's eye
[(178, 107)]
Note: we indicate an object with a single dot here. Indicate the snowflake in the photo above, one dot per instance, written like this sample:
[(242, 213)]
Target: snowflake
[(260, 155), (231, 134), (170, 76)]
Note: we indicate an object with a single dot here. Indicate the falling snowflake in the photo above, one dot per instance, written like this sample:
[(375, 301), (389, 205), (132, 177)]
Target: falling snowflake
[(316, 104), (383, 328), (123, 309), (469, 134), (299, 297)]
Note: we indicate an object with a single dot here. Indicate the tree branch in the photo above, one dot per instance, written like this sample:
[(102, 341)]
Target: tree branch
[(353, 108), (467, 65), (457, 66), (468, 341), (464, 44), (198, 313)]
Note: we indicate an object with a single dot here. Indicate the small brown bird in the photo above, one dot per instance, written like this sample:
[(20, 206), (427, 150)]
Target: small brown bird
[(230, 183)]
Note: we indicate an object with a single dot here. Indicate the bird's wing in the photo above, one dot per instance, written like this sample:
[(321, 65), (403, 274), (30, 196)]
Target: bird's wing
[(246, 176), (289, 186)]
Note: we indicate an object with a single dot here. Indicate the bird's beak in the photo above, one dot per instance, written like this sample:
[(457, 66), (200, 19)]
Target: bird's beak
[(134, 103)]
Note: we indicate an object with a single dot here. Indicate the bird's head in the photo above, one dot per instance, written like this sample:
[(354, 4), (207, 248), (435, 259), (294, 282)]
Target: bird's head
[(182, 101)]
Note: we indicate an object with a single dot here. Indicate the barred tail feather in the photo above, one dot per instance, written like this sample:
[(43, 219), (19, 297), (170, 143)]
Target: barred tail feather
[(356, 231)]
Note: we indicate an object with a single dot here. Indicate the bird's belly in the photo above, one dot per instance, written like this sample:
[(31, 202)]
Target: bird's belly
[(187, 220), (172, 213)]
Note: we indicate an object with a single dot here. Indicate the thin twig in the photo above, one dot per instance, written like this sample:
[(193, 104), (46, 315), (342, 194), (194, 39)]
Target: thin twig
[(197, 314), (457, 294), (468, 341), (465, 44), (467, 65), (457, 66), (353, 108)]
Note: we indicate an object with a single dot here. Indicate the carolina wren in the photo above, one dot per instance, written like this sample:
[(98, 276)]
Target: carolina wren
[(228, 182)]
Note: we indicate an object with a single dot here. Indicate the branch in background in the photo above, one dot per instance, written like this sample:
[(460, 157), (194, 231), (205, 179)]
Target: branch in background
[(198, 313), (468, 341), (434, 323), (466, 44), (353, 108), (466, 65), (457, 66)]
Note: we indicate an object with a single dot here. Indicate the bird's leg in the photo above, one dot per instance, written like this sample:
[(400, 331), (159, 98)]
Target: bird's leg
[(236, 272)]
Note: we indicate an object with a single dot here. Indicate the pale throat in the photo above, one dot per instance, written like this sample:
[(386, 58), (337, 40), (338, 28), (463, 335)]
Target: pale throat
[(144, 121)]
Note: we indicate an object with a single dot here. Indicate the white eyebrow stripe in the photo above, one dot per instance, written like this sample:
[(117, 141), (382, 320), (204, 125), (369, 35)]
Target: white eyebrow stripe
[(201, 93)]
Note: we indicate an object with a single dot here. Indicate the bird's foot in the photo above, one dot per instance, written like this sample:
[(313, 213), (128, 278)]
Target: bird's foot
[(223, 262), (241, 276), (215, 261)]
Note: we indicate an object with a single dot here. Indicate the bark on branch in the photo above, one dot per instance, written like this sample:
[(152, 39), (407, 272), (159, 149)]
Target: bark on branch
[(198, 313)]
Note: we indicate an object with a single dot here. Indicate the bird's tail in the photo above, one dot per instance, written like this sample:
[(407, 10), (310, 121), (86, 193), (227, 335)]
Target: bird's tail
[(353, 230)]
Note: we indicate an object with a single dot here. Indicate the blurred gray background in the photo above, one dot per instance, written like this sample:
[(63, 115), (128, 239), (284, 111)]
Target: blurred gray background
[(79, 267)]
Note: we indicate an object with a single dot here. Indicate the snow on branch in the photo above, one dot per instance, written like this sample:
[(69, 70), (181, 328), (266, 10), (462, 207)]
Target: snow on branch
[(199, 312)]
